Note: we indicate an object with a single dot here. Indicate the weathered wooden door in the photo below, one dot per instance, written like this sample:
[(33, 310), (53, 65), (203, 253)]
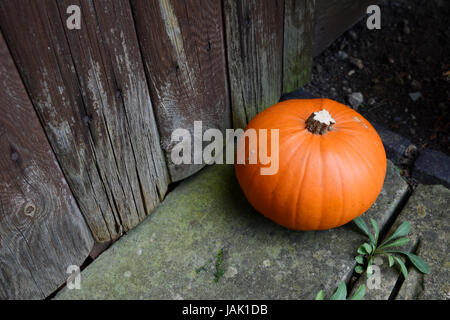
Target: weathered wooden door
[(87, 114), (42, 231)]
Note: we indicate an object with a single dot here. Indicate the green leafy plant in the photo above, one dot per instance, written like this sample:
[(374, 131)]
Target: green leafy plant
[(367, 251), (219, 272), (341, 293)]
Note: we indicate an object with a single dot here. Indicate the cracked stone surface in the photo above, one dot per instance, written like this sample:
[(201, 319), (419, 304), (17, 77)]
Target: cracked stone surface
[(428, 211), (173, 253)]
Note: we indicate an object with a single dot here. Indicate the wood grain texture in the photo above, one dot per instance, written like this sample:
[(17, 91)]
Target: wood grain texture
[(90, 91), (298, 43), (254, 38), (183, 50), (334, 17), (42, 231)]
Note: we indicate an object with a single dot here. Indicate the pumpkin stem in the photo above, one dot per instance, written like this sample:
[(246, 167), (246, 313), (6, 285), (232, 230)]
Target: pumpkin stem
[(320, 122)]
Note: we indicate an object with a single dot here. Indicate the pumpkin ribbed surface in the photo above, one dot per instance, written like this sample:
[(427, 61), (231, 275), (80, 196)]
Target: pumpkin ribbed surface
[(323, 180)]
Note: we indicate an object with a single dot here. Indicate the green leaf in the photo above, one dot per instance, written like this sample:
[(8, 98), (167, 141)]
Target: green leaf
[(367, 247), (341, 292), (359, 269), (376, 229), (320, 295), (421, 265), (391, 260), (402, 266), (401, 231), (363, 226), (362, 250), (359, 259), (359, 294), (396, 243)]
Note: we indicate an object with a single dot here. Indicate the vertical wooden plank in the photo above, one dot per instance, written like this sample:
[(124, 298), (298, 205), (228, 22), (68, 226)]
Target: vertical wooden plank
[(90, 91), (334, 17), (184, 56), (298, 43), (42, 231), (254, 38)]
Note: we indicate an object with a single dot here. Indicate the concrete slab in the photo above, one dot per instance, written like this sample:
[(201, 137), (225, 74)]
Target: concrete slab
[(429, 212), (174, 253)]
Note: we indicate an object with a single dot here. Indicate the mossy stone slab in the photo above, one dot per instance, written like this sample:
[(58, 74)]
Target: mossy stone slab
[(173, 253)]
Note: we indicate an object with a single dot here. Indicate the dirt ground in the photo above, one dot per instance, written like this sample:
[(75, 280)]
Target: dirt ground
[(402, 71)]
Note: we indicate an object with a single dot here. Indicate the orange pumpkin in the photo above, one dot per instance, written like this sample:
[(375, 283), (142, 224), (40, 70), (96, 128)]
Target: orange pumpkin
[(331, 170)]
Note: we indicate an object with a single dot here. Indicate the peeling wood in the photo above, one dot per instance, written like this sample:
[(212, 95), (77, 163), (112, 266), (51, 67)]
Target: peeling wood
[(254, 41), (42, 231), (90, 91), (183, 50)]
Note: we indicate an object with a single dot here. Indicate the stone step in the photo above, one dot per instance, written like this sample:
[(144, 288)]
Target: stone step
[(174, 253), (432, 167), (428, 212)]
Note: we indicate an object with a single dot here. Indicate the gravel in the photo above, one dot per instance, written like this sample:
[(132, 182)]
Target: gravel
[(402, 70), (355, 99)]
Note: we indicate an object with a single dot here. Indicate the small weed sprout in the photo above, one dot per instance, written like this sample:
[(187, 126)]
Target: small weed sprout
[(219, 268)]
